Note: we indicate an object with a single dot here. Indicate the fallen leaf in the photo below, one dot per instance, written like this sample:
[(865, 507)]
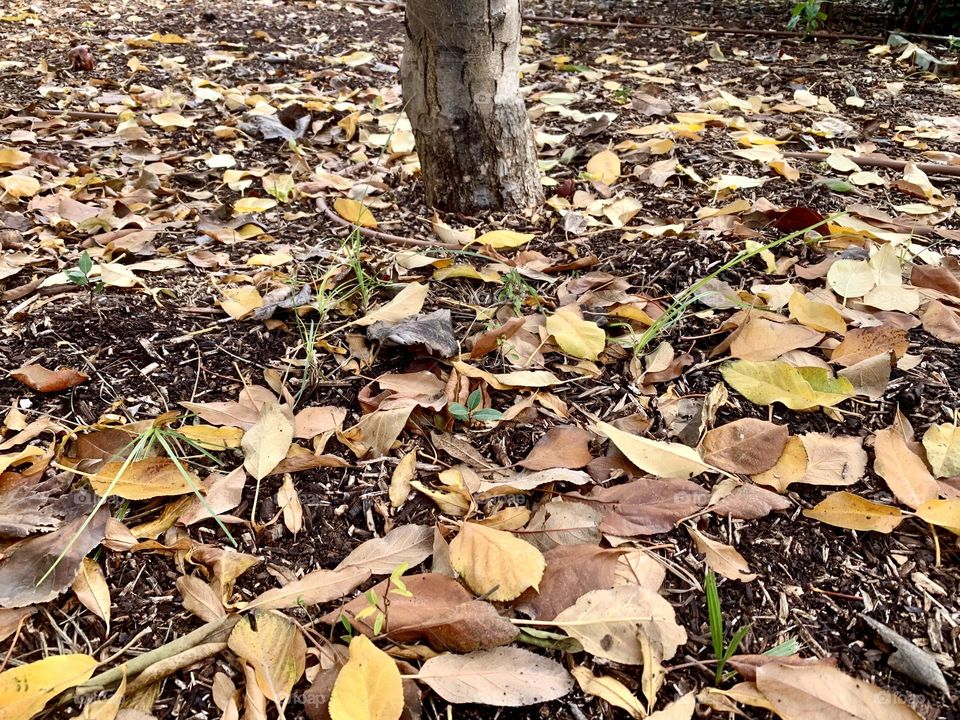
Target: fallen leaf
[(604, 167), (200, 599), (942, 443), (24, 690), (904, 471), (816, 315), (495, 564), (798, 388), (144, 479), (647, 506), (761, 339), (27, 561), (313, 421), (369, 686), (504, 676), (910, 660), (941, 321), (289, 502), (663, 459), (92, 591), (267, 442), (571, 571), (316, 587), (108, 708), (790, 467), (945, 513), (846, 510), (37, 377), (501, 239), (722, 558), (747, 446), (576, 336), (862, 343), (851, 278), (376, 432), (821, 692), (609, 689), (744, 501), (560, 522), (253, 205), (406, 544), (869, 377), (839, 460), (408, 301), (680, 709), (274, 647), (608, 623)]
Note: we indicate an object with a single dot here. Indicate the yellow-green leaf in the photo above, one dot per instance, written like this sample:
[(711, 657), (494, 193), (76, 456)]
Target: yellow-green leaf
[(942, 443), (846, 510), (274, 647), (576, 336), (26, 689), (369, 686), (773, 381)]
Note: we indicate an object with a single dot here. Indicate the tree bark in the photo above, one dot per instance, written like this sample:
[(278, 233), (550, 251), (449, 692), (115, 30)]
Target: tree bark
[(461, 86)]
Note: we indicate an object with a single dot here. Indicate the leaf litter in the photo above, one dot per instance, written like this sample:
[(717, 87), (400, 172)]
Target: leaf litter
[(293, 382)]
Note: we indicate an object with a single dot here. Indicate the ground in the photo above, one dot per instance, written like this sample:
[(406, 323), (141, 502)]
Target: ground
[(167, 339)]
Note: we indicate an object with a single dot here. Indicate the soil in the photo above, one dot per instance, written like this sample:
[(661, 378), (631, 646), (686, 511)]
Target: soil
[(146, 352)]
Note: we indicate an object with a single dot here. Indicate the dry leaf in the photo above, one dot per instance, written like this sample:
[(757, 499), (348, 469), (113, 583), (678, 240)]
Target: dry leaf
[(494, 563), (904, 472), (267, 442), (816, 315), (945, 513), (722, 559), (354, 212), (144, 479), (681, 709), (403, 475), (223, 493), (761, 339), (571, 571), (941, 321), (27, 561), (851, 278), (289, 502), (501, 239), (92, 591), (846, 510), (798, 388), (671, 460), (274, 647), (406, 544), (833, 460), (408, 301), (747, 446), (576, 336), (37, 377), (647, 506), (942, 443), (369, 686), (604, 167), (376, 432), (862, 343), (24, 690), (608, 623), (821, 692), (313, 421), (561, 447), (319, 586), (609, 689), (791, 467), (504, 676), (200, 599)]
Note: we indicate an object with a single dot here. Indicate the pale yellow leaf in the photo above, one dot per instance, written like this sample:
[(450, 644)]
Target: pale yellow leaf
[(18, 186), (945, 513), (609, 689), (495, 563), (816, 315), (25, 689), (403, 474), (274, 647), (665, 459), (851, 278), (170, 120), (722, 558), (604, 167), (92, 590), (369, 686), (144, 479), (576, 336), (500, 239), (253, 205), (846, 510), (241, 301), (942, 443), (408, 301), (267, 442)]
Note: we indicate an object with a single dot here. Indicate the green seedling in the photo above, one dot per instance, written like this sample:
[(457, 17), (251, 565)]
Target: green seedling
[(80, 275), (517, 292), (722, 653), (808, 15), (395, 586), (472, 412)]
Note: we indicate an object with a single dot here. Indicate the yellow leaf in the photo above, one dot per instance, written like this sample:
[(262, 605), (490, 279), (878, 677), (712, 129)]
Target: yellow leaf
[(354, 212), (144, 479), (499, 239), (773, 381), (240, 302), (942, 443), (26, 689), (851, 278), (846, 510), (665, 459), (609, 689), (466, 271), (902, 469), (576, 336), (91, 589), (168, 39), (13, 159), (369, 686), (495, 563), (18, 186), (790, 468), (816, 315), (253, 205), (274, 647), (945, 513), (106, 709), (212, 438), (408, 302), (168, 120), (264, 260), (403, 475), (604, 167)]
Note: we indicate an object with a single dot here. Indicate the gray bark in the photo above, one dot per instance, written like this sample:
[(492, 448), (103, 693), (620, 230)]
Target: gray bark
[(461, 87)]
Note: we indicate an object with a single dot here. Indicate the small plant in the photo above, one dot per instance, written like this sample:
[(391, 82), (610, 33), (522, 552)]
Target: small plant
[(621, 95), (395, 586), (715, 614), (517, 292), (470, 413), (807, 14), (80, 275)]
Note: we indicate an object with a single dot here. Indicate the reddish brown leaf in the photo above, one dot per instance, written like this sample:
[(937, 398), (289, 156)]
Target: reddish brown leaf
[(747, 665), (571, 571), (561, 447), (37, 377), (648, 506), (747, 446), (862, 343), (942, 322)]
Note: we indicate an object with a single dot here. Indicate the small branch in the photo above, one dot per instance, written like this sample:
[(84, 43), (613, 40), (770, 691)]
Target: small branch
[(367, 232), (884, 162)]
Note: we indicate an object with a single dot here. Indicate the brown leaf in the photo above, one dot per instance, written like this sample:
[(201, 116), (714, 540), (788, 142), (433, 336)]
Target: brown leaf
[(862, 343), (561, 522), (316, 587), (37, 377), (761, 339), (313, 421), (722, 558), (92, 591), (376, 432), (833, 460), (905, 473), (942, 322), (791, 467), (747, 446), (28, 560), (744, 501), (440, 610), (561, 447), (10, 620), (571, 571), (648, 506), (945, 278), (747, 665), (821, 692), (200, 599), (410, 544)]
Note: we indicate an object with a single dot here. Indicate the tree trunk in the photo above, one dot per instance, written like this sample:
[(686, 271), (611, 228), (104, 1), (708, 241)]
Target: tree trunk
[(461, 87)]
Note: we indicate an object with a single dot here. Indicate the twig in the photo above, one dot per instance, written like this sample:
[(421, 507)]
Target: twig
[(884, 162), (367, 232)]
